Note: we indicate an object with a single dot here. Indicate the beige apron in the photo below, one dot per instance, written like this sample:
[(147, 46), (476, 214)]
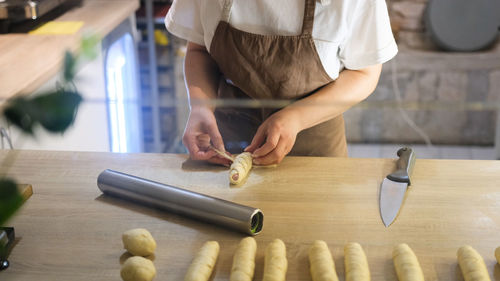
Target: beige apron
[(262, 67)]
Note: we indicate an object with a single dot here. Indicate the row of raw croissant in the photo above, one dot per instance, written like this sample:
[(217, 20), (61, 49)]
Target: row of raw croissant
[(322, 267)]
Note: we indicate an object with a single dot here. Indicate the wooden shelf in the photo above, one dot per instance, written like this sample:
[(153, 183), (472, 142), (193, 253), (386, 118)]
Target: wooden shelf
[(27, 61)]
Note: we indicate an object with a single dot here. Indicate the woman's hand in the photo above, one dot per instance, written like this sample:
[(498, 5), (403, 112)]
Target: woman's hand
[(202, 76), (275, 137), (201, 132)]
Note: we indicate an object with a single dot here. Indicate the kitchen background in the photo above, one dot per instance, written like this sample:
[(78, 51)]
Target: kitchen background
[(441, 101)]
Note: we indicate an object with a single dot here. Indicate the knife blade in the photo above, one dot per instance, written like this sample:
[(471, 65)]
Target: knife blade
[(394, 186)]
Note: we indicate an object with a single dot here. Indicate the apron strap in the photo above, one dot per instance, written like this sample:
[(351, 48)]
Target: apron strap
[(307, 25), (226, 10)]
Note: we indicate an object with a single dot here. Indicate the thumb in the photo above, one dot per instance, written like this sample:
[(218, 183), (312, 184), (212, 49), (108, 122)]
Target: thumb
[(257, 140)]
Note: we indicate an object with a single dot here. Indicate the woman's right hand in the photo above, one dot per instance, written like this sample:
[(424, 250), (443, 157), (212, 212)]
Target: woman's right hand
[(201, 132)]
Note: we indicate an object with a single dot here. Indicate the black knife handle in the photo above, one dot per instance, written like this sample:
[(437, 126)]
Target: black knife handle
[(404, 166)]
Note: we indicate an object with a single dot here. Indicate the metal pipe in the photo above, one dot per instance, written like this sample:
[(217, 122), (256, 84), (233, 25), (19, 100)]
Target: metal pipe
[(196, 205)]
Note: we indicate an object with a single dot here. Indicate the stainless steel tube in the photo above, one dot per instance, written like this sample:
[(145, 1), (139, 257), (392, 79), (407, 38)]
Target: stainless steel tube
[(238, 217)]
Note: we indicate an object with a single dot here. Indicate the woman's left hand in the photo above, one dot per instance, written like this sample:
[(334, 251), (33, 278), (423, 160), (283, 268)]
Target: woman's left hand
[(275, 137)]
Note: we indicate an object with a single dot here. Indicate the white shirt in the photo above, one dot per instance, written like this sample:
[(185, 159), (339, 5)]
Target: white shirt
[(350, 34)]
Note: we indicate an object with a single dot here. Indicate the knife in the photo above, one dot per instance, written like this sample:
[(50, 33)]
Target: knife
[(393, 189)]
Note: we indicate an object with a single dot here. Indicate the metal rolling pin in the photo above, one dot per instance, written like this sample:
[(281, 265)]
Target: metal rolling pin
[(238, 217)]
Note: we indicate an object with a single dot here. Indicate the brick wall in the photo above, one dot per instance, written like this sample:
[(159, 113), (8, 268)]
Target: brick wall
[(408, 24), (426, 75)]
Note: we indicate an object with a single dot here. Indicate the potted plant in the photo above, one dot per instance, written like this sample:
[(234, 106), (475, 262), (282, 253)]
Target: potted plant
[(54, 111)]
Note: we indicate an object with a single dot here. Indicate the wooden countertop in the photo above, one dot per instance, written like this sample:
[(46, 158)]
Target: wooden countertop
[(68, 230), (27, 61)]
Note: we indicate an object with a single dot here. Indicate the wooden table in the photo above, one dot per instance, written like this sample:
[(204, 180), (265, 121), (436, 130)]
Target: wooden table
[(68, 230), (27, 61)]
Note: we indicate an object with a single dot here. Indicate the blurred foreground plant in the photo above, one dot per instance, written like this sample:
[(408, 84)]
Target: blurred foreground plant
[(55, 111)]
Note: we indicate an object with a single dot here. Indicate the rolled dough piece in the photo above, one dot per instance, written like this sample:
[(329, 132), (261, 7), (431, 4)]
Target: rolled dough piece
[(240, 168), (275, 263), (497, 254), (321, 263), (472, 264), (203, 263), (356, 264), (406, 264), (244, 260), (139, 242), (138, 269)]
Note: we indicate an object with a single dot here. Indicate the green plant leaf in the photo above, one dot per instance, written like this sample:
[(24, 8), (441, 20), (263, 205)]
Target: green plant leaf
[(56, 111), (89, 46), (69, 67), (10, 199), (17, 112)]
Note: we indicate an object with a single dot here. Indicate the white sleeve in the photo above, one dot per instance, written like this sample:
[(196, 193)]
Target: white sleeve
[(370, 40), (184, 20)]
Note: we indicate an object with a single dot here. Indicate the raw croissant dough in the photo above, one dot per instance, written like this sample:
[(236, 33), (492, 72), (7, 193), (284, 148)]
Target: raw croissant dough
[(275, 262), (240, 168), (244, 260), (406, 264), (497, 254), (139, 242), (472, 265), (321, 263), (138, 269), (356, 264), (204, 262)]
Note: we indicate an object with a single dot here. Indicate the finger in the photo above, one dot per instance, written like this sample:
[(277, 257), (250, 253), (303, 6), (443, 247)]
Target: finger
[(189, 142), (257, 140), (275, 156), (215, 137), (194, 151), (203, 155), (270, 144), (220, 161), (203, 141)]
